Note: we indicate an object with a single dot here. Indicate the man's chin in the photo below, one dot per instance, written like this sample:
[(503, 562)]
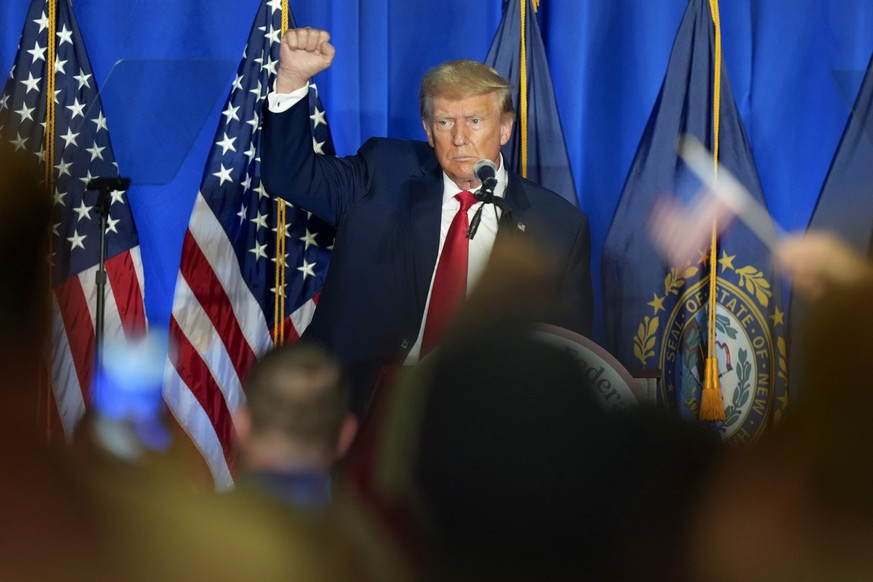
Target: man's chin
[(464, 182), (461, 172)]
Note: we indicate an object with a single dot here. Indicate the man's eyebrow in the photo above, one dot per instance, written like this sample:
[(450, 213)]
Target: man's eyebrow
[(446, 115)]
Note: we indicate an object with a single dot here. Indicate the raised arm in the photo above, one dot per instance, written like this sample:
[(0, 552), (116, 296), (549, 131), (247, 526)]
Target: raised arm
[(325, 185)]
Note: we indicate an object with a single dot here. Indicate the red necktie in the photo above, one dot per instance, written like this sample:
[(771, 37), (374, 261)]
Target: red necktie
[(450, 280)]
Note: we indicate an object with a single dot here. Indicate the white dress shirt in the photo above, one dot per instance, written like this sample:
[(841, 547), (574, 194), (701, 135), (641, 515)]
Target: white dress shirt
[(480, 246)]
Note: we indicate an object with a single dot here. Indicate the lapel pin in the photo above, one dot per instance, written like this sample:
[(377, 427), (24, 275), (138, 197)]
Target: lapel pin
[(521, 227)]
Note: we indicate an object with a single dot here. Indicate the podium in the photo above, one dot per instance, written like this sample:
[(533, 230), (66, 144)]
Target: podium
[(615, 387)]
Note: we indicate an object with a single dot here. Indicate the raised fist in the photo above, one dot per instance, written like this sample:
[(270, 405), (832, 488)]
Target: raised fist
[(304, 52)]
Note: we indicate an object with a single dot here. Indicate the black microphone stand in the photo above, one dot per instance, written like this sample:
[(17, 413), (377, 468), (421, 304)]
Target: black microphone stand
[(104, 187), (485, 194)]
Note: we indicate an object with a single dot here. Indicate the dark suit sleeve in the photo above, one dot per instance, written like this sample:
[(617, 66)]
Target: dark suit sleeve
[(576, 289), (325, 185)]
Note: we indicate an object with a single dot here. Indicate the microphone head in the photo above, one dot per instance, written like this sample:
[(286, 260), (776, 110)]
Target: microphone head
[(484, 169), (486, 172), (116, 183)]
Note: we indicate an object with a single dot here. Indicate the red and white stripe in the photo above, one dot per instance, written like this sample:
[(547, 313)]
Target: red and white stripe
[(73, 330), (217, 331)]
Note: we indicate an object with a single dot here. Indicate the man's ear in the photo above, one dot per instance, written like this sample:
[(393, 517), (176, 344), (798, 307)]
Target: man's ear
[(428, 130), (347, 433), (506, 128)]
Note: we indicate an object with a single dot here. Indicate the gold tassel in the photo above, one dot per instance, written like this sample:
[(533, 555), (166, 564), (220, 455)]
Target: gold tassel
[(711, 406)]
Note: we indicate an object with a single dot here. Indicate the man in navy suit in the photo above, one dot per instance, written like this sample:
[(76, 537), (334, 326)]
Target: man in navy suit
[(392, 204)]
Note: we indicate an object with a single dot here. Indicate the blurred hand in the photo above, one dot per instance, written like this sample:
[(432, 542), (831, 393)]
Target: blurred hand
[(304, 52), (680, 232), (819, 262)]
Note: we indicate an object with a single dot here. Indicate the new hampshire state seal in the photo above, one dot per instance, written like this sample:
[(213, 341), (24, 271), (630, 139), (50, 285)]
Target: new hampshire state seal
[(750, 346)]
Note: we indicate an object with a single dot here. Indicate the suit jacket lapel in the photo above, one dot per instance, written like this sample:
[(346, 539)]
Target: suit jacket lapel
[(516, 199)]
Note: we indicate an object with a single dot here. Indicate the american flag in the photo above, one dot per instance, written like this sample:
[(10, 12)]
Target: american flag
[(225, 301), (82, 151)]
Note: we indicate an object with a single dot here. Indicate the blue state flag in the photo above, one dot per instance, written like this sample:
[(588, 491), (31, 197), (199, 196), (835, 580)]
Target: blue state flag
[(536, 150), (845, 204), (657, 314)]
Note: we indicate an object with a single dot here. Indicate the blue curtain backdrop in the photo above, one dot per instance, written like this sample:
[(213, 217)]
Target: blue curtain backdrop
[(795, 67)]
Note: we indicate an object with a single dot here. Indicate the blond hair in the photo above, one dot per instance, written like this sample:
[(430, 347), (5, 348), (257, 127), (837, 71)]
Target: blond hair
[(464, 78)]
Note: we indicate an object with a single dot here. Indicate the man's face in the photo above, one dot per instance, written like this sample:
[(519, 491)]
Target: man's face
[(464, 131)]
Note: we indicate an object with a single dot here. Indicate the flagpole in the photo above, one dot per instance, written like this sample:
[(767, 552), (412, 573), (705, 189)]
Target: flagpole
[(281, 208), (50, 187), (522, 87)]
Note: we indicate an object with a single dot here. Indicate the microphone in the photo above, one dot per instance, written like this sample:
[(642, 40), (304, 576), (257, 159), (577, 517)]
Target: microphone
[(505, 215), (486, 172), (103, 184), (474, 224)]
